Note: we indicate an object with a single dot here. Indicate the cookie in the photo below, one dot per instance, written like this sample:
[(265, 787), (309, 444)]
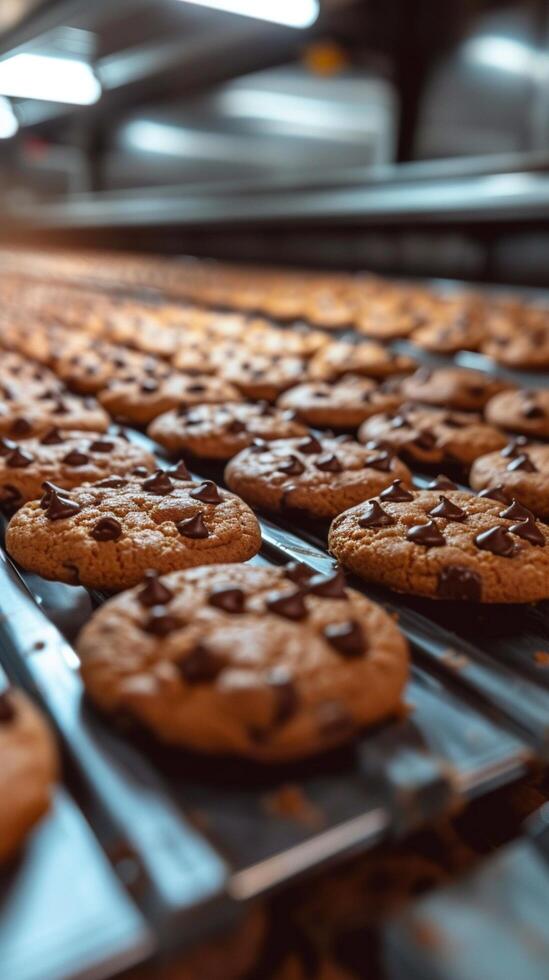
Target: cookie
[(520, 471), (28, 770), (221, 431), (106, 535), (432, 435), (449, 545), (261, 662), (262, 378), (321, 477), (90, 370), (142, 400), (525, 411), (67, 459), (451, 387), (21, 378), (450, 333), (365, 358), (20, 420), (342, 405), (519, 339)]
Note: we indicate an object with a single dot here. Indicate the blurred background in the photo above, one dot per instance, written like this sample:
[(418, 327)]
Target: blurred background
[(397, 136)]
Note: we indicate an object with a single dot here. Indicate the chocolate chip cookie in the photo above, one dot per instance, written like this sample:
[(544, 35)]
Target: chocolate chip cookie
[(141, 401), (342, 405), (259, 377), (321, 477), (365, 358), (67, 459), (221, 431), (432, 435), (520, 471), (451, 387), (525, 411), (449, 545), (28, 770), (22, 419), (268, 663), (105, 535)]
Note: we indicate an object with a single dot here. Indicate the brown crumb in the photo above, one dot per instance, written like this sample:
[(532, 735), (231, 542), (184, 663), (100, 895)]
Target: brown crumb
[(291, 803)]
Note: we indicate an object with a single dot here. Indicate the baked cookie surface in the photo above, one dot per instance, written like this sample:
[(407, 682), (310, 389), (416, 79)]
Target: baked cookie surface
[(520, 470), (365, 358), (432, 435), (67, 459), (21, 419), (320, 476), (451, 387), (221, 431), (449, 545), (106, 535), (343, 404), (269, 663), (141, 401), (28, 770), (525, 411)]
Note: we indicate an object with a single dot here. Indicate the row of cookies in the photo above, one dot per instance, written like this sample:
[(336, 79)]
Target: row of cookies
[(513, 332)]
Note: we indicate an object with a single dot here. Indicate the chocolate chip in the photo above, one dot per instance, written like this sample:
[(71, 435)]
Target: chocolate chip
[(396, 493), (347, 638), (331, 586), (279, 680), (328, 463), (208, 493), (292, 466), (513, 448), (442, 483), (20, 427), (445, 508), (101, 446), (522, 462), (201, 665), (235, 427), (196, 389), (18, 459), (122, 434), (7, 708), (258, 446), (149, 387), (59, 408), (7, 447), (427, 535), (264, 408), (180, 471), (140, 471), (309, 444), (494, 493), (298, 572), (153, 593), (532, 411), (159, 483), (459, 582), (382, 462), (516, 512), (375, 516), (106, 529), (228, 598), (193, 527), (113, 482), (497, 540), (75, 458), (290, 605), (52, 437), (529, 530), (425, 439), (60, 507), (161, 622)]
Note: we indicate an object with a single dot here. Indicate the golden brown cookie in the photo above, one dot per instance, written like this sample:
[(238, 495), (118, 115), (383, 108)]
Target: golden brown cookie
[(320, 476), (22, 419), (28, 770), (366, 358), (520, 471), (451, 387), (221, 431), (106, 535), (343, 404), (67, 459), (525, 411), (141, 401), (269, 663), (432, 435), (260, 377), (449, 545)]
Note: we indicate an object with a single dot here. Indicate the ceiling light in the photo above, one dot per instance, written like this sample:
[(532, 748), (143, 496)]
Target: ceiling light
[(37, 76), (8, 120), (291, 13), (504, 53)]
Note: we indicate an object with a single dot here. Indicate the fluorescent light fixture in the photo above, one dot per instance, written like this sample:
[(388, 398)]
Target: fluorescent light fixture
[(37, 76), (8, 120), (503, 53), (291, 13)]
